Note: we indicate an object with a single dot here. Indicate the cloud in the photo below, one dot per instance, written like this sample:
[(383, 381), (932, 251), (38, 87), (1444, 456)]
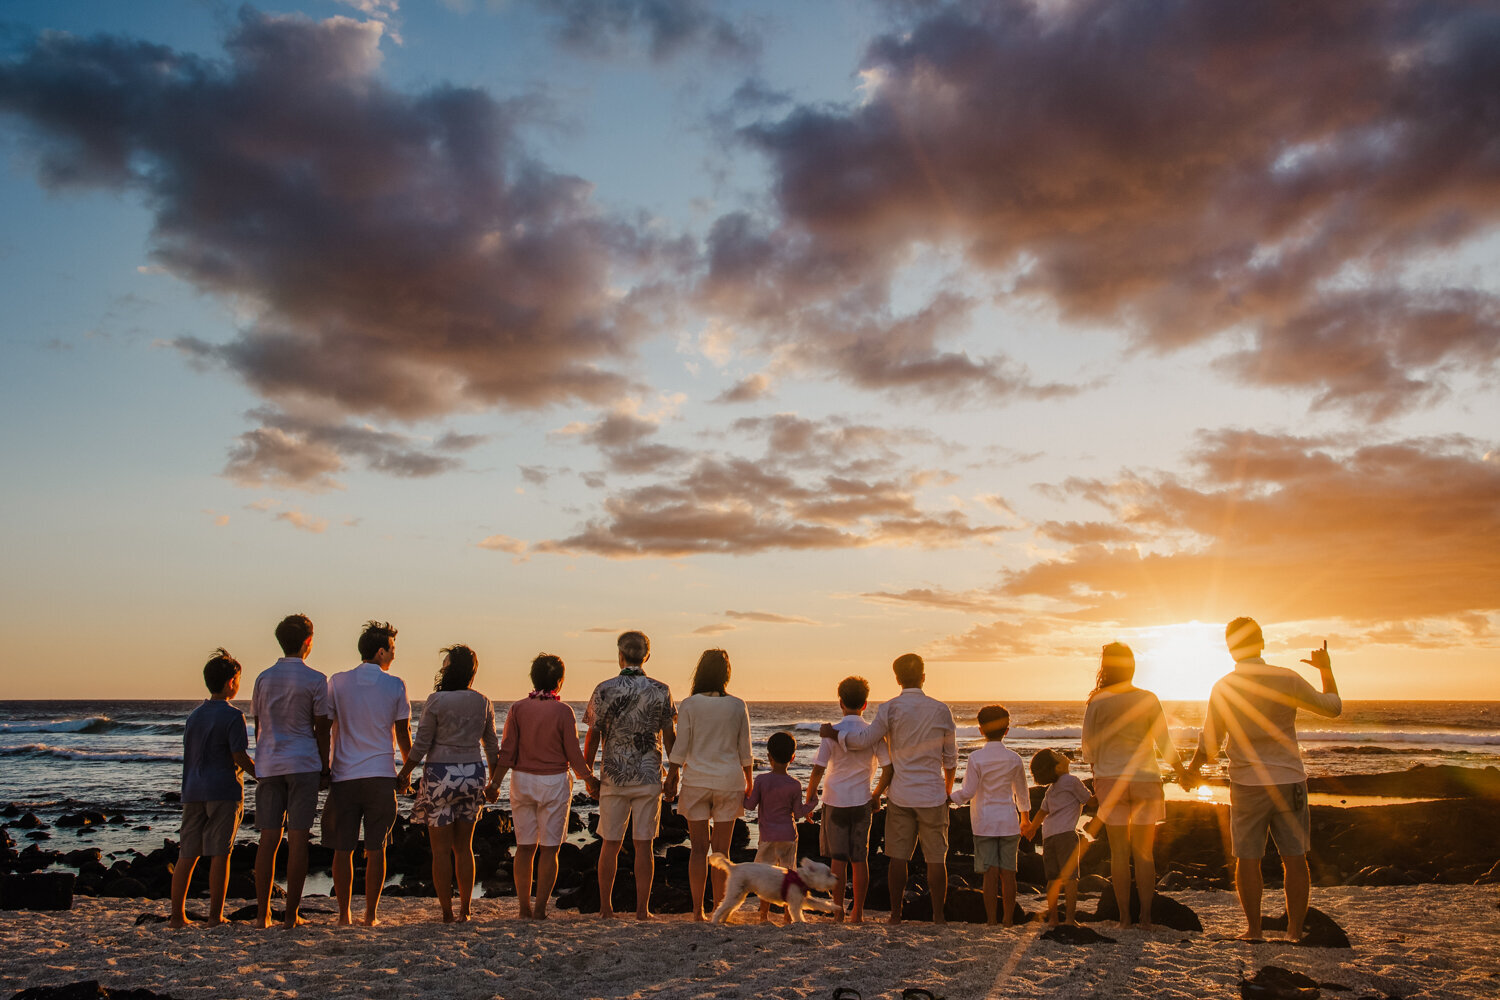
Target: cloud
[(767, 618), (717, 628), (998, 640), (270, 456), (1085, 533), (939, 599), (624, 440), (666, 28), (747, 390), (536, 475), (1157, 166), (1288, 528), (502, 543), (398, 255), (303, 522)]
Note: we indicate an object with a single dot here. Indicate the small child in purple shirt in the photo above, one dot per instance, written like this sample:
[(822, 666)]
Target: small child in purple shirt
[(778, 798)]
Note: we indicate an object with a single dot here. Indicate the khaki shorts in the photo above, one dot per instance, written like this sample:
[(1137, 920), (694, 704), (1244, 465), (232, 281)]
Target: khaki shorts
[(208, 828), (696, 803), (636, 806), (1130, 803), (905, 825), (286, 801), (539, 805), (371, 800), (1280, 809), (777, 852), (844, 833)]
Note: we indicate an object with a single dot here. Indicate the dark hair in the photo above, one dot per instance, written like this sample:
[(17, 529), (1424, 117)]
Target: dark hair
[(712, 672), (994, 720), (854, 692), (547, 672), (1116, 666), (220, 670), (634, 646), (781, 748), (463, 663), (1243, 634), (375, 637), (292, 633), (1044, 765), (909, 670)]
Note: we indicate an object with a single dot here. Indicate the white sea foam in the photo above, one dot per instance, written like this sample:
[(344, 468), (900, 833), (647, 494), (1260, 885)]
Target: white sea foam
[(74, 753), (56, 726)]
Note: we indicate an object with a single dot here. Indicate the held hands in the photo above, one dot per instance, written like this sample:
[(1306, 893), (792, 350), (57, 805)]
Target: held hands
[(1188, 778), (591, 786), (1319, 658), (491, 792)]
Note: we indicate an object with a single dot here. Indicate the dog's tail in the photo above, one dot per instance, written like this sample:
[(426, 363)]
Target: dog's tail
[(719, 861)]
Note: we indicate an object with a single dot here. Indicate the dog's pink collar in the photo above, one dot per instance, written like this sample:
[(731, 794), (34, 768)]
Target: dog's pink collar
[(789, 880)]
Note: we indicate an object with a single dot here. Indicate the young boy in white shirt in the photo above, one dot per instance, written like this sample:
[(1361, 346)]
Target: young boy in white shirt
[(848, 802), (1057, 817), (996, 782)]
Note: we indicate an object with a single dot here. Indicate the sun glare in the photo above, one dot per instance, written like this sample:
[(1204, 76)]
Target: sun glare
[(1179, 662)]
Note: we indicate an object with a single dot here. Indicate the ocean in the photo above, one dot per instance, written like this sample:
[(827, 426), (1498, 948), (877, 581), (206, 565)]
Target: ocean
[(124, 757)]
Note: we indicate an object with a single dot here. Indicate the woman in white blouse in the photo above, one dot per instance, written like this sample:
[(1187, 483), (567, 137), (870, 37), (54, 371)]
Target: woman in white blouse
[(1123, 730), (712, 753)]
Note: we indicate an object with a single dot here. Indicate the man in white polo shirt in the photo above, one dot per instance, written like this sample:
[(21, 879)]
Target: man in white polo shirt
[(290, 707), (371, 718), (1255, 708), (923, 744)]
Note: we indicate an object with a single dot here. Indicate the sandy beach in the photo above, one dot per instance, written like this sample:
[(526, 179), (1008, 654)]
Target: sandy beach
[(1417, 942)]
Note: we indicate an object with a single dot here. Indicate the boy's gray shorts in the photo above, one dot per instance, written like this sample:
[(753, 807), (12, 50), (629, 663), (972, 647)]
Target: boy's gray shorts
[(286, 801), (1280, 809), (844, 833), (208, 828)]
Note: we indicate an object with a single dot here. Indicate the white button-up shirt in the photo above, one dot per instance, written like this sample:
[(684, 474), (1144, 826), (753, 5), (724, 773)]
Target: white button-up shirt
[(995, 780), (923, 743), (847, 773), (1255, 708)]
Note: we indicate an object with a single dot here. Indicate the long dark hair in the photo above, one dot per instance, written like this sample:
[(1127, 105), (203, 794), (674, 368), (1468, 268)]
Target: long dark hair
[(463, 662), (1116, 667), (712, 672)]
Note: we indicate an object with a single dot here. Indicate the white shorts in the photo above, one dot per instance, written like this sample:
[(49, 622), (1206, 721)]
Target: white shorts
[(636, 806), (695, 803), (539, 806)]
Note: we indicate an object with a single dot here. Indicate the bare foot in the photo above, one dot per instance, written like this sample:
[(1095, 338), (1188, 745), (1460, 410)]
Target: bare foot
[(372, 921), (1146, 925), (644, 917), (1072, 921), (895, 918), (463, 918), (606, 914), (262, 920), (1253, 937), (345, 920), (178, 923), (540, 915), (447, 917), (1123, 925), (292, 922), (215, 922), (857, 917)]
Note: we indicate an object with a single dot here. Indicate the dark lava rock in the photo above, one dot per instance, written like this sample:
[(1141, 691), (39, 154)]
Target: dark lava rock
[(1382, 875), (83, 856), (1275, 983), (10, 811), (1319, 930), (39, 835), (1165, 911), (1490, 877), (39, 891), (29, 822), (85, 818), (88, 989), (34, 859), (1421, 781), (962, 905), (125, 888), (1068, 934), (171, 796)]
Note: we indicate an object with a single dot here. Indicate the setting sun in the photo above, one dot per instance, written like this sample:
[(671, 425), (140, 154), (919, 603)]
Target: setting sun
[(1179, 662)]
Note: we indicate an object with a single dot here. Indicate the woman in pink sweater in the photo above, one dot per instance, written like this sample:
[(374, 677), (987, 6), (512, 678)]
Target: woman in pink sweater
[(539, 745)]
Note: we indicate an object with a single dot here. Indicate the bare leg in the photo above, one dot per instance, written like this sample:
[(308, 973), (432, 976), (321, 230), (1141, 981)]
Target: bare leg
[(937, 884), (1008, 897), (441, 839), (265, 875), (374, 883), (1072, 894), (218, 886), (896, 879), (463, 865), (296, 875), (521, 873), (343, 883), (182, 875), (1054, 889), (645, 871), (1143, 849), (1247, 883), (698, 864), (1298, 882), (720, 838), (546, 878), (861, 886), (1119, 869), (992, 896), (609, 861), (840, 869)]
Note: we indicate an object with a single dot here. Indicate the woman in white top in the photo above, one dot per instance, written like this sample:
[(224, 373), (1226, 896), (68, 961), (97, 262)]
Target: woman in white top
[(457, 723), (1123, 730), (712, 752)]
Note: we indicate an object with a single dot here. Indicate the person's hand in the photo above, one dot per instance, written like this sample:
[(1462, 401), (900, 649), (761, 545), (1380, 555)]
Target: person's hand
[(828, 732), (591, 786), (669, 788), (324, 780), (1188, 778), (1319, 658), (492, 792)]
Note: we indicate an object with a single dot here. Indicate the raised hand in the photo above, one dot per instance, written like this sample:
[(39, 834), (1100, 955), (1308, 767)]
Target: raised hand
[(1319, 658)]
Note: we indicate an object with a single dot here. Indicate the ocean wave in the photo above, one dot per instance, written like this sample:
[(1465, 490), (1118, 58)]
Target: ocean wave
[(42, 751), (1396, 736), (92, 724)]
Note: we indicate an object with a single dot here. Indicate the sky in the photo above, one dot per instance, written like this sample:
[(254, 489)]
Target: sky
[(818, 332)]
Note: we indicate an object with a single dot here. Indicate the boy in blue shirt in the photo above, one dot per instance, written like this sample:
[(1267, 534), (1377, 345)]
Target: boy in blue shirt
[(214, 745)]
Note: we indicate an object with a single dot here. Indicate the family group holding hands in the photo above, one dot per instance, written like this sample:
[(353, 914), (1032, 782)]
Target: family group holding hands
[(343, 732)]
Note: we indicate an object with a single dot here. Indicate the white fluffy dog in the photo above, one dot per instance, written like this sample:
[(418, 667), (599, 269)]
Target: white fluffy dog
[(774, 885)]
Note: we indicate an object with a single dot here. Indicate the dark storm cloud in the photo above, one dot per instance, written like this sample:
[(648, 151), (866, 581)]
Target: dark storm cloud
[(1184, 168), (665, 27), (400, 254)]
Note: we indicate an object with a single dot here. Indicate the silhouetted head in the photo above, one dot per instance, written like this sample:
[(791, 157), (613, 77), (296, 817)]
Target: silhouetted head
[(994, 721), (910, 670), (547, 672), (377, 637), (460, 664), (781, 748), (854, 693), (1244, 638), (712, 672), (293, 633), (1116, 666), (220, 671), (1047, 765), (634, 648)]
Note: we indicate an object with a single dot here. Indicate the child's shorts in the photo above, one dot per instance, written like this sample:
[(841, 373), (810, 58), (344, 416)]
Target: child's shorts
[(996, 852), (1060, 856), (777, 852), (208, 828), (844, 833)]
